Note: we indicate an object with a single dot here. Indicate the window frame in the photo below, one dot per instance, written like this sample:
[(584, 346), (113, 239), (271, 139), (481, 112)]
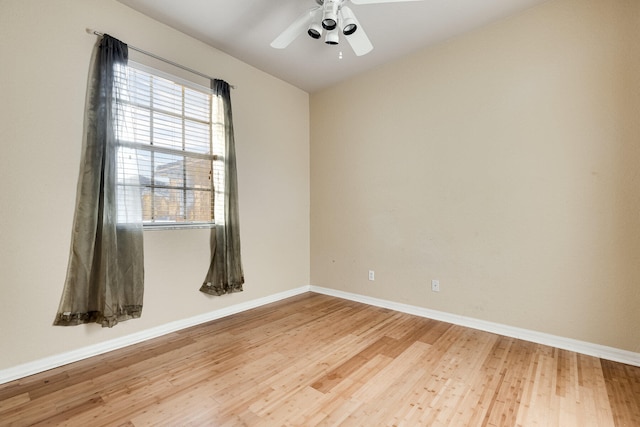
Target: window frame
[(215, 157)]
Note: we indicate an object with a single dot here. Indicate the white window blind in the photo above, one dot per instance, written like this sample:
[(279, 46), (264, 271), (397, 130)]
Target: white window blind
[(171, 147)]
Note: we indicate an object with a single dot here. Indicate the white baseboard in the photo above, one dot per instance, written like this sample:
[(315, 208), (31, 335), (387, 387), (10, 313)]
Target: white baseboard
[(51, 362), (55, 361), (596, 350)]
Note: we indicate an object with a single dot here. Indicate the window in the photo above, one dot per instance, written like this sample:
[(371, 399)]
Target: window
[(170, 148)]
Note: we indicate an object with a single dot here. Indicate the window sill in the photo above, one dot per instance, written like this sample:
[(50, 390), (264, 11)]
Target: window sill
[(174, 226)]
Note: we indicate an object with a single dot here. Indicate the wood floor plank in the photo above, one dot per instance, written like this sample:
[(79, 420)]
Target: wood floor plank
[(315, 360), (12, 402), (623, 390)]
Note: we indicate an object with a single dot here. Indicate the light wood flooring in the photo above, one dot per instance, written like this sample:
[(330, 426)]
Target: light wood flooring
[(318, 360)]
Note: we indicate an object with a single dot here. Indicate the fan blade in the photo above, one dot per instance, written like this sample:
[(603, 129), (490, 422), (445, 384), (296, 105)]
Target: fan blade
[(378, 1), (359, 41), (298, 27)]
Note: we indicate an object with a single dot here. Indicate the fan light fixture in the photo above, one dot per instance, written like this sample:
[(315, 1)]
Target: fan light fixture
[(349, 25), (332, 37), (331, 20), (349, 28), (330, 14), (315, 31)]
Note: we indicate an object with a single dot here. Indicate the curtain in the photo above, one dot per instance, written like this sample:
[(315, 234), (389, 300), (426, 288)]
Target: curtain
[(225, 270), (104, 282)]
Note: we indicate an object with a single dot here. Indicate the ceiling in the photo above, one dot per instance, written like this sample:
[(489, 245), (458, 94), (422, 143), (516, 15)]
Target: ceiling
[(245, 28)]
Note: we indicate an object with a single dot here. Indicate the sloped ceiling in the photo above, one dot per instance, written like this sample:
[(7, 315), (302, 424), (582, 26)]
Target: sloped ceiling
[(245, 29)]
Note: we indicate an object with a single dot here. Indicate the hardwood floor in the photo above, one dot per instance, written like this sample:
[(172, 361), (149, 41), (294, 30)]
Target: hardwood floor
[(319, 360)]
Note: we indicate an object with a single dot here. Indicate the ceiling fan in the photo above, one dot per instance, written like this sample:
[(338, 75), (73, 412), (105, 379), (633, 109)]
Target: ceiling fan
[(332, 16)]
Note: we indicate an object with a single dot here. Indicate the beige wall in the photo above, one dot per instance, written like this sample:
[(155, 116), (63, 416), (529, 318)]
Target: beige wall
[(44, 56), (503, 163)]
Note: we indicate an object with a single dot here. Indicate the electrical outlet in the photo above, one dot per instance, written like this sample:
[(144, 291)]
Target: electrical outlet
[(372, 275), (435, 285)]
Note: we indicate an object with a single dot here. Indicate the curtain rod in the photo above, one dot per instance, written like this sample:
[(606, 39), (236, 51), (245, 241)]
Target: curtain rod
[(159, 58)]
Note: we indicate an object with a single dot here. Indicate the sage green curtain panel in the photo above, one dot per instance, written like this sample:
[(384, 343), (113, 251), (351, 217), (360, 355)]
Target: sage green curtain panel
[(225, 273), (105, 274)]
